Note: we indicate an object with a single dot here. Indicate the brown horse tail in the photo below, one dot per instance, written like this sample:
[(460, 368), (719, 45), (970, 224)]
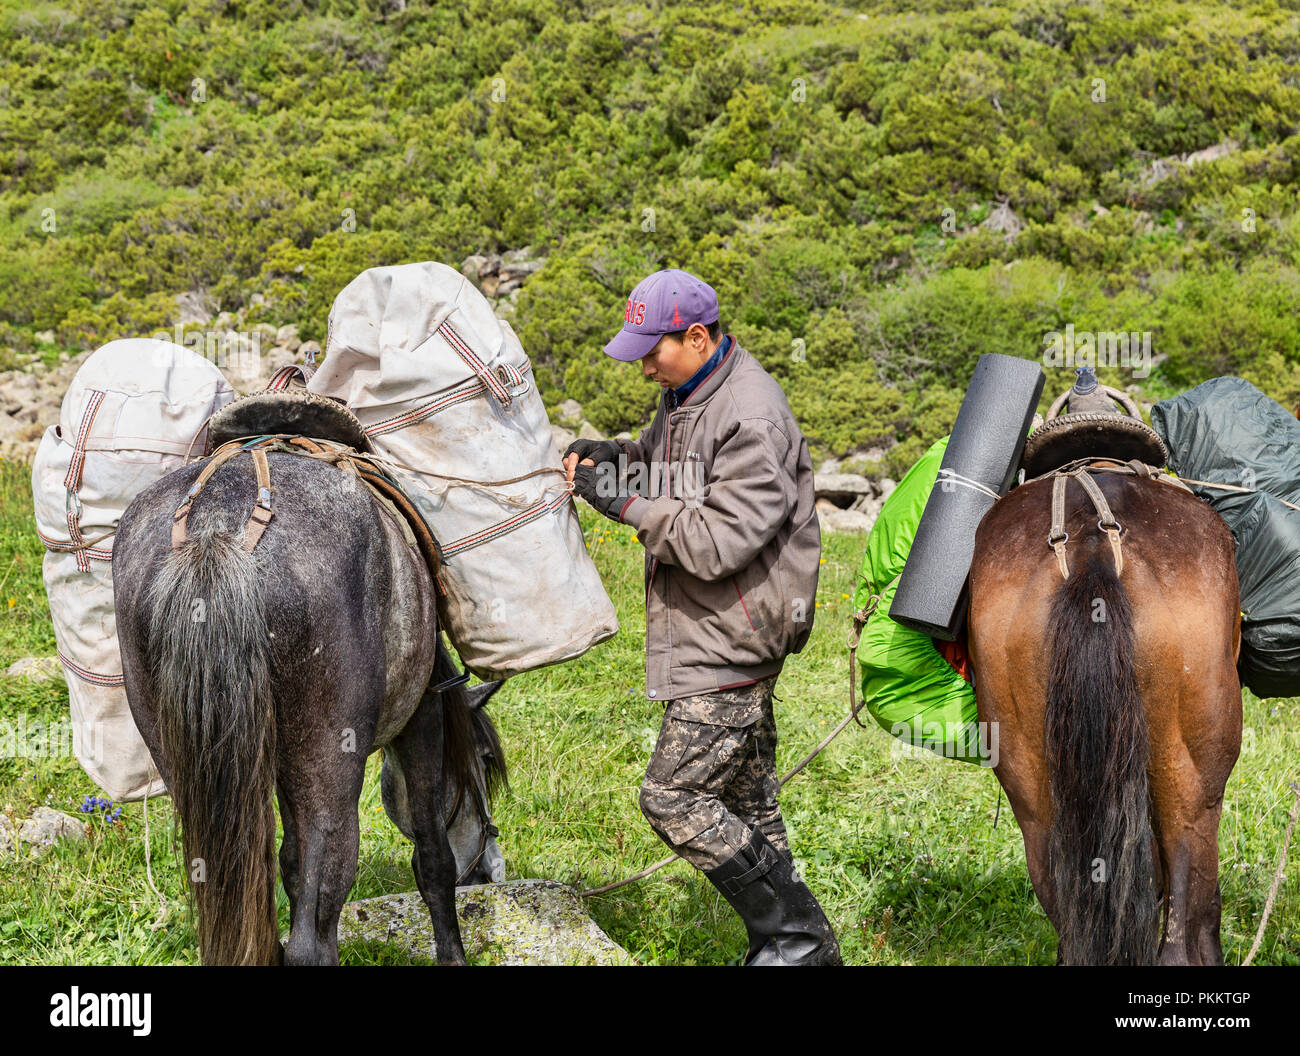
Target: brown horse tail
[(209, 644), (1099, 849)]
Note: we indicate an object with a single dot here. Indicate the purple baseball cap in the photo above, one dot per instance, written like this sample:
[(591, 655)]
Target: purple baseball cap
[(662, 303)]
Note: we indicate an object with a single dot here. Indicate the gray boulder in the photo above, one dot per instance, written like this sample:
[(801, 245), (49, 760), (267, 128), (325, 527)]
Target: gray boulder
[(36, 668), (46, 827), (515, 923), (841, 488)]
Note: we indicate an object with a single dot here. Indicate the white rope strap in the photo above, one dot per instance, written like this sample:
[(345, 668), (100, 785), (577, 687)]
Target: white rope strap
[(951, 476)]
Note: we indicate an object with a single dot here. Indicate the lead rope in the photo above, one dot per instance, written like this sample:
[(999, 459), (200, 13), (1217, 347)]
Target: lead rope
[(1277, 878), (148, 856)]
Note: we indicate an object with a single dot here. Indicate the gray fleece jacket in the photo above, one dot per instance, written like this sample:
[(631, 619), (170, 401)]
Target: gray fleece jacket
[(722, 500)]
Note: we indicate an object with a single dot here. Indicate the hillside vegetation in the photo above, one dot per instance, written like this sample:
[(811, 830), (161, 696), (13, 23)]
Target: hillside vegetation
[(879, 192)]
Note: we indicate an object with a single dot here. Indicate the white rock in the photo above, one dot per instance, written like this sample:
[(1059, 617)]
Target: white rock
[(842, 487), (587, 431), (8, 838), (562, 438), (193, 307), (287, 336), (838, 520), (36, 668), (569, 411), (47, 826), (515, 923)]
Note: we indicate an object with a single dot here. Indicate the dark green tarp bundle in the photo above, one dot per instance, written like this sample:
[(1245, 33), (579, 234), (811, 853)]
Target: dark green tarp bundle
[(907, 687), (1225, 431)]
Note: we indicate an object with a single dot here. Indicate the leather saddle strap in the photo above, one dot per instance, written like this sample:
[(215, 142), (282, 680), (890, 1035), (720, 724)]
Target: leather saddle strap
[(262, 512), (1105, 519), (1058, 536)]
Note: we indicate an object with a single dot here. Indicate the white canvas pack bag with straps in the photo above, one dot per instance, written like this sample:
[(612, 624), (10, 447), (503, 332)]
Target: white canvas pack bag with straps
[(447, 396), (133, 411)]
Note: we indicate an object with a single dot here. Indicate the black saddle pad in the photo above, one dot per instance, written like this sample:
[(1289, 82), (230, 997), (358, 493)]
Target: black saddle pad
[(1090, 435), (293, 411)]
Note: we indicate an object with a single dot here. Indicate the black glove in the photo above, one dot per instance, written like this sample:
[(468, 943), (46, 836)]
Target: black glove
[(597, 450), (601, 489)]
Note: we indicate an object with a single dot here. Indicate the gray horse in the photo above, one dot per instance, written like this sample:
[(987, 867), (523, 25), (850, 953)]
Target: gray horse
[(274, 674)]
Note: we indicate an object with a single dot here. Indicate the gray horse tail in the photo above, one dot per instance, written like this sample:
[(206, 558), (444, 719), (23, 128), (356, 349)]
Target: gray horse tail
[(1097, 744), (216, 723)]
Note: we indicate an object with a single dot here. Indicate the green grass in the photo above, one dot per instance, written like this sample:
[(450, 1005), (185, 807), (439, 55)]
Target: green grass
[(901, 850)]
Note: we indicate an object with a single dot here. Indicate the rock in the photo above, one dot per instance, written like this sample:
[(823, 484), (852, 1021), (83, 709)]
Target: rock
[(886, 487), (513, 923), (841, 488), (45, 337), (562, 438), (508, 287), (193, 307), (837, 520), (569, 411), (587, 431), (831, 465), (287, 336), (36, 668), (488, 284), (518, 271), (474, 267), (8, 838), (46, 826)]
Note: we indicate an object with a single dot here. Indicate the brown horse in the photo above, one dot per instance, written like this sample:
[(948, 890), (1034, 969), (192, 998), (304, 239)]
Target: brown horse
[(1118, 711)]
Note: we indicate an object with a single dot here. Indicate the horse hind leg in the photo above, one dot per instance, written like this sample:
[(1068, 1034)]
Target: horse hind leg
[(413, 767), (327, 838)]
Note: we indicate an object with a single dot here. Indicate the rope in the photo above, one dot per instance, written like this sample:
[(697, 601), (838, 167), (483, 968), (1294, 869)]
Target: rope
[(1277, 877), (951, 476), (466, 481), (1234, 487), (148, 858)]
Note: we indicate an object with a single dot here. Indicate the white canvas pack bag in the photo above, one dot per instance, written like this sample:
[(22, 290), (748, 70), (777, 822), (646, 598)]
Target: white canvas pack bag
[(134, 410), (446, 394)]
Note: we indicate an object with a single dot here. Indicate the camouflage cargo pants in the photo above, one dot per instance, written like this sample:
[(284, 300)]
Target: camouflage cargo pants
[(712, 777)]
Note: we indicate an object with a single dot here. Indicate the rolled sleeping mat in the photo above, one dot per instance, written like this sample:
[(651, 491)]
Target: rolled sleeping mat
[(978, 468)]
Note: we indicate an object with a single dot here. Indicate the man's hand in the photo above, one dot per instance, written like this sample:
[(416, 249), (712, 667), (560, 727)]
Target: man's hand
[(600, 488), (597, 450)]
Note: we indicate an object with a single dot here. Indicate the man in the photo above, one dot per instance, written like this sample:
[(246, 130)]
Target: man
[(720, 491)]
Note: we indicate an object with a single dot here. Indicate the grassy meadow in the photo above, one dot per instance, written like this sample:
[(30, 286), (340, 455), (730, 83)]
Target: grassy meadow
[(902, 849)]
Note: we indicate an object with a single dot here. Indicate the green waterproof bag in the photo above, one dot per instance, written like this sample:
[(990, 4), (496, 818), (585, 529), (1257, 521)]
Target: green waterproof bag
[(909, 689)]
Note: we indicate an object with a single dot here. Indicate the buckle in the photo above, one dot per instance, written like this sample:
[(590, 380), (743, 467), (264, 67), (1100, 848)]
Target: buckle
[(264, 498)]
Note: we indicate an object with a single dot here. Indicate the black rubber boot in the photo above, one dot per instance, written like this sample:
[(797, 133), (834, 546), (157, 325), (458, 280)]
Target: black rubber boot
[(786, 924)]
